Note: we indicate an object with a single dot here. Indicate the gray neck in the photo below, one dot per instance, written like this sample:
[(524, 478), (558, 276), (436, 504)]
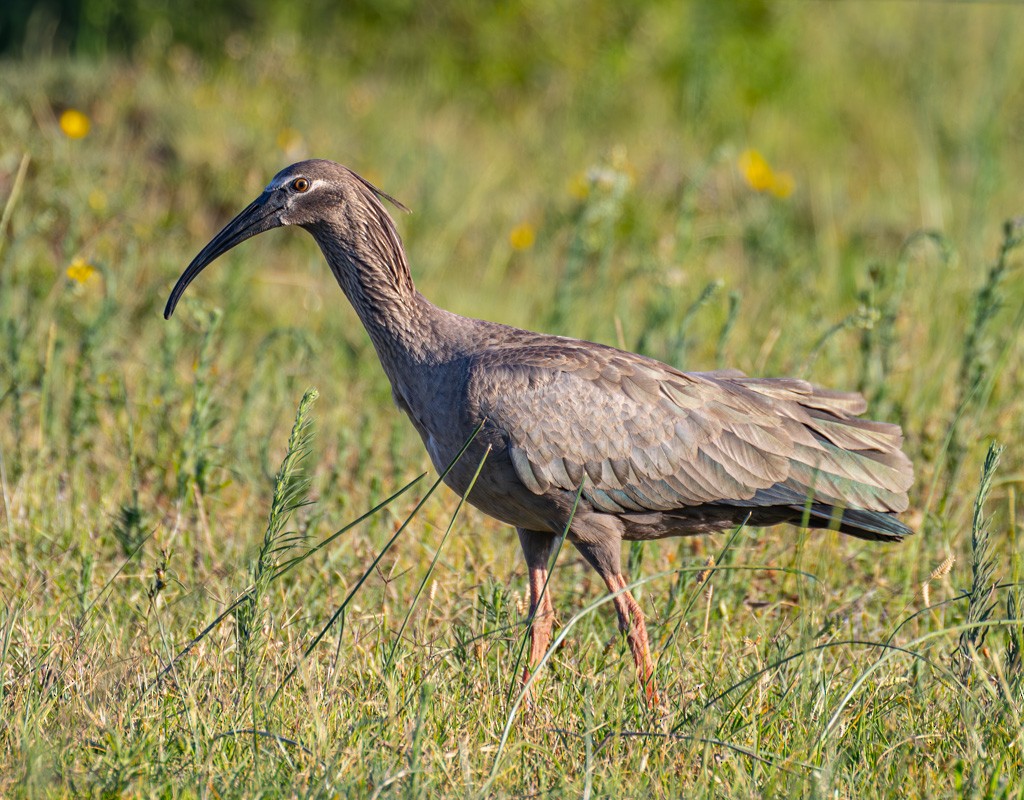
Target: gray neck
[(407, 330)]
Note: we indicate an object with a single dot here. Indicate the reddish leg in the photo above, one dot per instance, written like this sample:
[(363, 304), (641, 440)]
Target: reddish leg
[(600, 546), (631, 622), (537, 547)]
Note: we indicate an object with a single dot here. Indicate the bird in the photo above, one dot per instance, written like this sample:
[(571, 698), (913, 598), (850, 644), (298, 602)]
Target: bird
[(578, 439)]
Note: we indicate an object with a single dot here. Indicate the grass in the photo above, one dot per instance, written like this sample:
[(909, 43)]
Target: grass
[(155, 640)]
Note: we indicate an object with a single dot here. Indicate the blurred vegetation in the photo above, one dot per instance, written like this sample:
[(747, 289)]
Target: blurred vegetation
[(829, 190)]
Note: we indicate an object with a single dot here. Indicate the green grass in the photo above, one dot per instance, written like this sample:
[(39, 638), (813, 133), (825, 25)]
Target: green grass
[(573, 172)]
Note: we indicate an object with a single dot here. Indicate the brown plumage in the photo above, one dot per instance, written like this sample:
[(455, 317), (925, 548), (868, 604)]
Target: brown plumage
[(658, 452)]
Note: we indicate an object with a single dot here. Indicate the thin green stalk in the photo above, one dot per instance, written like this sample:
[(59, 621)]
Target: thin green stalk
[(732, 315), (6, 629), (195, 461), (369, 570), (860, 318), (301, 349), (416, 751), (975, 364), (13, 343), (980, 603), (681, 341), (281, 570), (389, 662), (12, 201), (129, 525), (5, 499), (290, 490), (890, 650), (699, 590)]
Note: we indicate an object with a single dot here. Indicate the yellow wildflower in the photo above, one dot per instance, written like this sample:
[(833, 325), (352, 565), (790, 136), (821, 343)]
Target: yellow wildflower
[(522, 236), (579, 186), (98, 200), (80, 270), (755, 170), (74, 124), (762, 178)]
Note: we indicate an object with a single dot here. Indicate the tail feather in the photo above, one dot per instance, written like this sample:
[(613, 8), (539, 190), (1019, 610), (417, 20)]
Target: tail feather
[(846, 473), (871, 525), (781, 503)]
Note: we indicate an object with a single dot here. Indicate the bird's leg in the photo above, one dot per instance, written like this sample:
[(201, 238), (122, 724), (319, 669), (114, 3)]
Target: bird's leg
[(631, 622), (543, 614), (537, 547), (604, 555)]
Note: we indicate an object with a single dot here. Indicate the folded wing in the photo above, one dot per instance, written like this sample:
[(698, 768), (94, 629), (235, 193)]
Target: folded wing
[(651, 438)]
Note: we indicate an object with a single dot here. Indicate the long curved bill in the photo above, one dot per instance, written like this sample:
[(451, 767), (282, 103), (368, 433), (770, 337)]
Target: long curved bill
[(259, 216)]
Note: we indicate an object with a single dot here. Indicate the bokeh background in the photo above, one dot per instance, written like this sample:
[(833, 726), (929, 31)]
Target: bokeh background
[(830, 190)]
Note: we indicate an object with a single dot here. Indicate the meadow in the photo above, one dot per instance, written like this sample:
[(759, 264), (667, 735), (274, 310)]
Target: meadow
[(215, 583)]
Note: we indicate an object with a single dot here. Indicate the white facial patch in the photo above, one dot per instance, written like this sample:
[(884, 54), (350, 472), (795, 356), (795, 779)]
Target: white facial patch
[(279, 182)]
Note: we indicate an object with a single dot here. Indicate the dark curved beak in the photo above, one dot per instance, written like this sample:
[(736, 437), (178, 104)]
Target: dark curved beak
[(261, 215)]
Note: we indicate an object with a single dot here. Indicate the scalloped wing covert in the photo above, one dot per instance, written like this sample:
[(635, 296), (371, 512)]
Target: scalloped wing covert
[(652, 438)]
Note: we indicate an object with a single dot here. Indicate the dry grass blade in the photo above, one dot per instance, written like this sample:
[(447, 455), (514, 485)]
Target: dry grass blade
[(940, 571)]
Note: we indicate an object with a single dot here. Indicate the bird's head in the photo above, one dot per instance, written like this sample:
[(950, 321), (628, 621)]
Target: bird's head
[(306, 194)]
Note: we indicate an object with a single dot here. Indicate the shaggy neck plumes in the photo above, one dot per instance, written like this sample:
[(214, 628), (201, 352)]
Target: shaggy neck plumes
[(369, 264)]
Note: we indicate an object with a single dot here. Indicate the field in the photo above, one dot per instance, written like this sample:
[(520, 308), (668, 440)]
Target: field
[(194, 604)]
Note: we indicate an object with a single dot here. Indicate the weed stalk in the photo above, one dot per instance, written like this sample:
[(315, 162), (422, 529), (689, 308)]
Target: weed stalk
[(195, 463), (975, 363), (979, 598), (290, 493)]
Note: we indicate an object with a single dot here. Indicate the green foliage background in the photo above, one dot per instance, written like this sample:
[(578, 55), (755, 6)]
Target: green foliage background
[(572, 167)]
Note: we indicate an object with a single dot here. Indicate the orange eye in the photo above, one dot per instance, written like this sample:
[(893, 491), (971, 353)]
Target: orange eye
[(300, 185)]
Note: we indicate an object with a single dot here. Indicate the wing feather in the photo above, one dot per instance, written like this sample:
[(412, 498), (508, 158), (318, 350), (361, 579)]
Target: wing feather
[(651, 438)]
